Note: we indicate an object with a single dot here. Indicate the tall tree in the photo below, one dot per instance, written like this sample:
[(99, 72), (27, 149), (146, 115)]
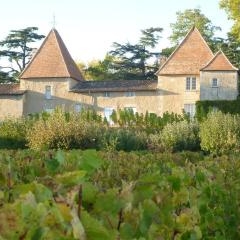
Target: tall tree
[(231, 47), (232, 7), (137, 61), (187, 19), (16, 49)]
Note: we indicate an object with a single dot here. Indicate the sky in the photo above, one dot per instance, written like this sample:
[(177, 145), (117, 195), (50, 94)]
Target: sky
[(89, 27)]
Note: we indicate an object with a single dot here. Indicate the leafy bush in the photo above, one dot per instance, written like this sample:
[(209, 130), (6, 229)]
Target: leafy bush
[(149, 122), (65, 131), (155, 142), (220, 133), (13, 133), (125, 139), (180, 136)]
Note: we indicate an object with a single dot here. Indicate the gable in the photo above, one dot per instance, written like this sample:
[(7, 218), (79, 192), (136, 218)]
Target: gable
[(52, 60), (219, 63), (189, 57)]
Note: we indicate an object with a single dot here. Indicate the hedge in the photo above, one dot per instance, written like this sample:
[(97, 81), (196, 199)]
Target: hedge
[(225, 106)]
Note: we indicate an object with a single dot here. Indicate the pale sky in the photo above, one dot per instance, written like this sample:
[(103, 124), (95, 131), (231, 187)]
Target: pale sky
[(89, 27)]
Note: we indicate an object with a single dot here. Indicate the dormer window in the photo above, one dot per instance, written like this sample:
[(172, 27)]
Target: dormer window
[(215, 83), (48, 92), (191, 83)]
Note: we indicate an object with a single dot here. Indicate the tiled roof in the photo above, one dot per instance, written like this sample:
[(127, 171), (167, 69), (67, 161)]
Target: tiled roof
[(219, 63), (10, 89), (52, 60), (189, 57), (115, 86)]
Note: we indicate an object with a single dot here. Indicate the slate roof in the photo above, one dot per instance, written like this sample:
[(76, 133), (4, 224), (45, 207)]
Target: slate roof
[(115, 86), (52, 60), (219, 63), (189, 57), (10, 89)]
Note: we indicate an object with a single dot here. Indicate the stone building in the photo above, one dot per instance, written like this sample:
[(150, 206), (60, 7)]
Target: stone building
[(52, 79)]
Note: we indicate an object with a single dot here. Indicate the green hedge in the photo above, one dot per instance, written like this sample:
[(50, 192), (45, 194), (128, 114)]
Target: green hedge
[(225, 106)]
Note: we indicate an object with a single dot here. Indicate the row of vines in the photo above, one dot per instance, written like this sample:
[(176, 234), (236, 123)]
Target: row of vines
[(116, 195)]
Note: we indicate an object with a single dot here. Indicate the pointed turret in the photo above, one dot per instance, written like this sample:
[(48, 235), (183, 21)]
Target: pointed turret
[(189, 57), (52, 60)]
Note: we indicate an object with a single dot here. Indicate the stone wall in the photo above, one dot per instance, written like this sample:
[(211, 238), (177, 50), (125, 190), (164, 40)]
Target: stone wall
[(36, 100), (11, 106), (142, 100), (227, 88), (174, 94)]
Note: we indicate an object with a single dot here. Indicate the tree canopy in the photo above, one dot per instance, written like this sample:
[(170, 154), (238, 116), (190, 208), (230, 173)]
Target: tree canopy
[(16, 49), (98, 69), (232, 7), (184, 22), (137, 61), (189, 18)]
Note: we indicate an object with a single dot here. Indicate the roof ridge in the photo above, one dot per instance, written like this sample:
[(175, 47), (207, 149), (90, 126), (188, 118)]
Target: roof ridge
[(56, 35)]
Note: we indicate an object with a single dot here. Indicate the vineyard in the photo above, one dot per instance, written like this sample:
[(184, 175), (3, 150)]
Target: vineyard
[(89, 194)]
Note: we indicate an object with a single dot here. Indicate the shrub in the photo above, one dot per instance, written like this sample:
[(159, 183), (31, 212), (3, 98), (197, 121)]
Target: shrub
[(220, 133), (125, 139), (13, 133), (149, 122), (66, 131), (155, 142), (180, 136)]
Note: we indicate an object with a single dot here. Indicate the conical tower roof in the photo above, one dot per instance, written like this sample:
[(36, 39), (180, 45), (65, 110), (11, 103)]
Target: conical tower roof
[(52, 60), (189, 57), (219, 63)]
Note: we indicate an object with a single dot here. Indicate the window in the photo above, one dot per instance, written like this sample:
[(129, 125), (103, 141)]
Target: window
[(107, 114), (191, 83), (190, 109), (133, 109), (48, 92), (78, 107), (130, 94), (106, 94), (214, 82)]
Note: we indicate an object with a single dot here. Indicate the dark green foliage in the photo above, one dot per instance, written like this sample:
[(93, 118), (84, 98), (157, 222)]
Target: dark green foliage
[(125, 139), (15, 48), (225, 106), (131, 61), (230, 47)]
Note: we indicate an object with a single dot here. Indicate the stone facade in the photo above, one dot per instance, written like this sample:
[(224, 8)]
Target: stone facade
[(12, 106), (52, 80), (174, 94), (225, 86)]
